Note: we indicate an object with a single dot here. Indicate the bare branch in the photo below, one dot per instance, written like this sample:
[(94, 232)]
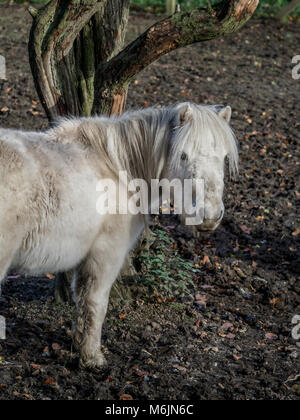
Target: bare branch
[(177, 31), (288, 9), (32, 11), (74, 49)]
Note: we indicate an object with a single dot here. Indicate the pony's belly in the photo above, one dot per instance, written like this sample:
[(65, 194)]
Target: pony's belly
[(51, 255)]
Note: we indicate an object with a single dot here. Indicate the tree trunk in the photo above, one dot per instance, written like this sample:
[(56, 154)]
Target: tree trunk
[(287, 10), (170, 7), (78, 64), (68, 42)]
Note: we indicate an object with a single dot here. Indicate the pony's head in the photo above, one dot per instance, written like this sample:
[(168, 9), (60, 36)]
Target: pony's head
[(201, 142)]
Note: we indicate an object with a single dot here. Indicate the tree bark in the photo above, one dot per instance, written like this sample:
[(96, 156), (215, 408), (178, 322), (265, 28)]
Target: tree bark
[(68, 41), (170, 6), (287, 10), (179, 30)]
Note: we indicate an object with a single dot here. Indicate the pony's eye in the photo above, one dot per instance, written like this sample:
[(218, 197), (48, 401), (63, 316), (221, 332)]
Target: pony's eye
[(184, 156)]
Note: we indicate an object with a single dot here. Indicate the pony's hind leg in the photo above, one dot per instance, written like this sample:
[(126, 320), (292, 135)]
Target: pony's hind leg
[(7, 252), (92, 287), (11, 233)]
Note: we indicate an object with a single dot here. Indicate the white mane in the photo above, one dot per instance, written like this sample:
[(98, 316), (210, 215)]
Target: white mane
[(142, 142)]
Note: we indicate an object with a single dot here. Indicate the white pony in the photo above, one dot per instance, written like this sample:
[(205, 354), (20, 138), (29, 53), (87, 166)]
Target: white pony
[(48, 196)]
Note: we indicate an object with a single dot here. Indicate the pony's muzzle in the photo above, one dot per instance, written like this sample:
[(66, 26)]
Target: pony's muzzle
[(209, 225)]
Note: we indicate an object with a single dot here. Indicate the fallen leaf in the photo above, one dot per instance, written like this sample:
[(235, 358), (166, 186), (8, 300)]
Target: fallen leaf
[(35, 367), (274, 301), (205, 260), (228, 326), (246, 229), (180, 368), (50, 381), (271, 336), (201, 300), (126, 397), (34, 113), (240, 273), (56, 347), (46, 351)]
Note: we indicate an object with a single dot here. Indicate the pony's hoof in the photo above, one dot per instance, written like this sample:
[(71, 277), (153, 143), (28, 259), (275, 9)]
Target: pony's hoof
[(96, 362)]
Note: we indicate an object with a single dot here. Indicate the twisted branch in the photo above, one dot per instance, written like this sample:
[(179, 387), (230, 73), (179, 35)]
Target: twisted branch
[(178, 30)]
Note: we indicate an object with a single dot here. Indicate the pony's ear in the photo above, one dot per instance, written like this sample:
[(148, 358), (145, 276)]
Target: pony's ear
[(185, 114), (226, 113)]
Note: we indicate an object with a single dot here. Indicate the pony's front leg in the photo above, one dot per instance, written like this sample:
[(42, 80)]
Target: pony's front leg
[(92, 287)]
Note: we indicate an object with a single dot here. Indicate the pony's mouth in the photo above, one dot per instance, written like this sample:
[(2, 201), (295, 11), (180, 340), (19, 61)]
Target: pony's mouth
[(207, 229), (209, 225)]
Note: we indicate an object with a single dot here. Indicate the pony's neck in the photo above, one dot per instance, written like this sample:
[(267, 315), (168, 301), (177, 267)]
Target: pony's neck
[(145, 135)]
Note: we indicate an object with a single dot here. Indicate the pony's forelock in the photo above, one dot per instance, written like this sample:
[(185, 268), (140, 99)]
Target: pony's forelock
[(204, 125)]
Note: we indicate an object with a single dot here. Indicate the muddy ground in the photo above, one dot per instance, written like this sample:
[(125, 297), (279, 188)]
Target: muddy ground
[(228, 333)]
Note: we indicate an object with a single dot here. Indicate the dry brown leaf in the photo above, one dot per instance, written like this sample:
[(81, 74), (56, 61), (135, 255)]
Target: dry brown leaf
[(228, 326), (201, 299), (246, 229), (56, 347), (50, 381), (205, 260), (271, 336), (35, 367), (180, 368), (274, 301), (126, 397), (296, 232)]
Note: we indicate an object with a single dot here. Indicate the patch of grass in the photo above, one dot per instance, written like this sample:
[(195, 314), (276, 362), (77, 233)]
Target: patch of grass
[(163, 271)]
